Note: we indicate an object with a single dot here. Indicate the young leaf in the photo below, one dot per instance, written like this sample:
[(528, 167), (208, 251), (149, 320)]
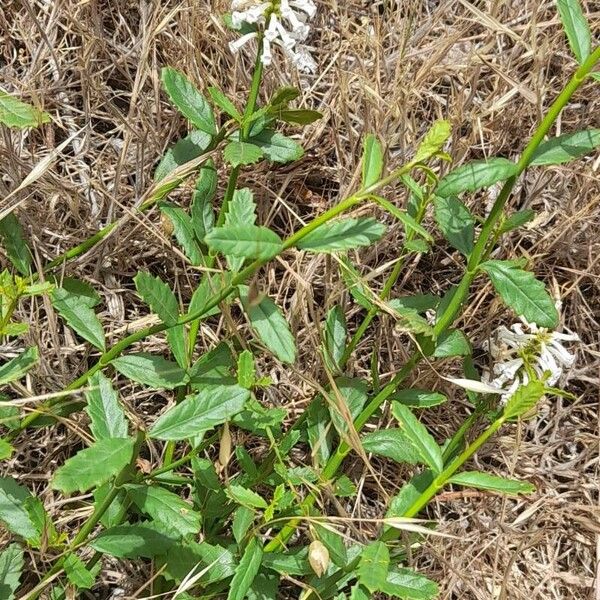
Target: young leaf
[(483, 481), (475, 175), (247, 570), (246, 371), (567, 147), (456, 223), (158, 295), (153, 371), (17, 367), (408, 585), (409, 319), (15, 113), (372, 161), (188, 100), (94, 466), (183, 229), (277, 147), (132, 541), (11, 234), (452, 343), (520, 290), (14, 514), (373, 567), (404, 217), (335, 334), (246, 497), (245, 241), (424, 444), (576, 28), (391, 443), (270, 325), (165, 508), (284, 95), (242, 209), (211, 407), (517, 219), (183, 151), (78, 574), (524, 399), (6, 449), (300, 116), (242, 153), (11, 567), (224, 103), (76, 312), (105, 412), (203, 216), (433, 141), (344, 234)]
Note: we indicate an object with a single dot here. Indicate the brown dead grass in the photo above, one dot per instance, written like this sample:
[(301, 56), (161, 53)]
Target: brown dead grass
[(489, 67)]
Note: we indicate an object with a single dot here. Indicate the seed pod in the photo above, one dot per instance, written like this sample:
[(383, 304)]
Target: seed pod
[(225, 446), (166, 225), (318, 557)]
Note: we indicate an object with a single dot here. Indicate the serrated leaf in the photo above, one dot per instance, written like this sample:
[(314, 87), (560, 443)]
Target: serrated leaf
[(373, 567), (567, 147), (344, 234), (456, 223), (183, 229), (242, 153), (277, 147), (270, 325), (11, 567), (165, 508), (188, 100), (484, 481), (17, 251), (211, 407), (406, 584), (433, 141), (106, 414), (151, 370), (475, 175), (247, 570), (158, 295), (94, 466), (452, 343), (524, 399), (213, 368), (422, 441), (78, 574), (224, 103), (15, 113), (391, 443), (522, 292), (84, 291), (246, 497), (245, 241), (372, 161), (203, 216), (334, 338), (132, 541), (576, 27), (183, 151), (242, 209), (79, 316), (16, 367), (14, 499)]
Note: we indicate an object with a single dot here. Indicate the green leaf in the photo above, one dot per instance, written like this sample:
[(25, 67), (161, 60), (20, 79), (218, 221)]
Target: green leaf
[(188, 100), (409, 494), (334, 337), (353, 393), (476, 175), (456, 223), (15, 113), (11, 567), (246, 497), (300, 116), (345, 234), (407, 220), (452, 343), (372, 161), (224, 103), (158, 295), (373, 567), (242, 153), (292, 563), (270, 325), (391, 443), (165, 508), (14, 500), (242, 520), (522, 292), (78, 315), (213, 368), (153, 371), (183, 229), (483, 481), (185, 150), (433, 141), (277, 147), (6, 450), (334, 543), (247, 570), (246, 372), (132, 541), (567, 147), (245, 241), (409, 319), (524, 399), (211, 407), (576, 27), (203, 216), (184, 558), (408, 585), (84, 291), (78, 574), (17, 251), (422, 441), (517, 219), (17, 367), (241, 212), (106, 414), (284, 95), (94, 466)]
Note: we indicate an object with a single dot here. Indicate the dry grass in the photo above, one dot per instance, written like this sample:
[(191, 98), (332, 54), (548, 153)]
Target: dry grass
[(489, 67)]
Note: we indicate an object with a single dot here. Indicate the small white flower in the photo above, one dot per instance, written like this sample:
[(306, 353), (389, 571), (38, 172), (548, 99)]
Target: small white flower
[(236, 45)]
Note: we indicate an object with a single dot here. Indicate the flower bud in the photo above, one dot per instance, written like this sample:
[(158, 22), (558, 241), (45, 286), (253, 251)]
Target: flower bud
[(318, 557), (225, 446)]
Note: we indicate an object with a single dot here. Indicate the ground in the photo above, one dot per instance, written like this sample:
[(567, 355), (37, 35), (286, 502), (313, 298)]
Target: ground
[(386, 67)]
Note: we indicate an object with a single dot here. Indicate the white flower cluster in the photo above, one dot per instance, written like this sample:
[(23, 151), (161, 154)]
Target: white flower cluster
[(543, 350), (284, 23)]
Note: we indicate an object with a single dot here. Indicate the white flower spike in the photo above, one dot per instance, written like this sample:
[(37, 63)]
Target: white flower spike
[(284, 23)]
